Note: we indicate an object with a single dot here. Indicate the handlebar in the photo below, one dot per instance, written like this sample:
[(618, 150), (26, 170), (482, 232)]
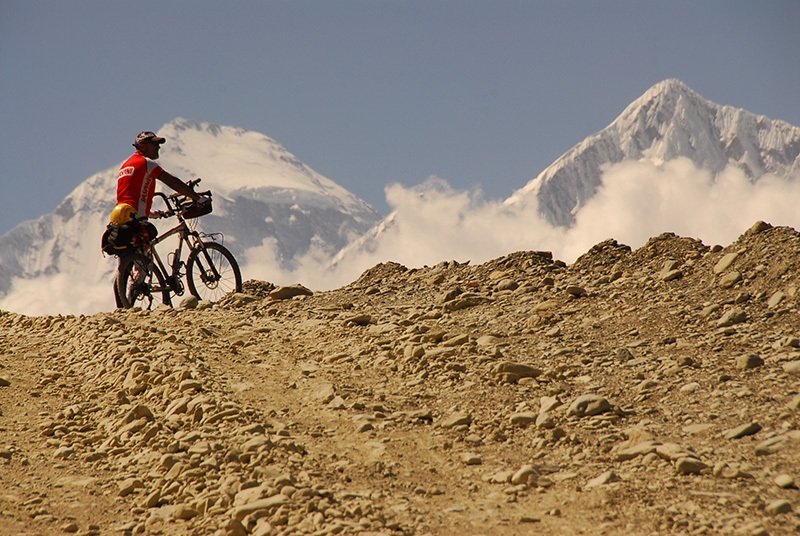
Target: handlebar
[(178, 203)]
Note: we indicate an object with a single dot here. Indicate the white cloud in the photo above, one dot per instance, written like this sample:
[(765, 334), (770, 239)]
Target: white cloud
[(59, 294), (638, 200)]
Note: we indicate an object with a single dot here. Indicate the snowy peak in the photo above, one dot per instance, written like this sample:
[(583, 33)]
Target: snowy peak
[(668, 121), (231, 160), (270, 209)]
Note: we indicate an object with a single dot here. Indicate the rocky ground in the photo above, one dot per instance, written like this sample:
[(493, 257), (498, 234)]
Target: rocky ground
[(633, 392)]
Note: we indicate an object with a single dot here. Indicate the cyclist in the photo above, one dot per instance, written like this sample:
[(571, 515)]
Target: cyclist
[(136, 183)]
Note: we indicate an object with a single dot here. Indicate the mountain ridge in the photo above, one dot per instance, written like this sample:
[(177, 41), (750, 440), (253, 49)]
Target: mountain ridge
[(668, 121)]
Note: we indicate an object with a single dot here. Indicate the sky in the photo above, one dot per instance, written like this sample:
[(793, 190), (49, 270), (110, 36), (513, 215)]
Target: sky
[(371, 94)]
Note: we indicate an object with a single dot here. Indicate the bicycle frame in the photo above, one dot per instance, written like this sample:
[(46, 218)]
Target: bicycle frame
[(193, 242)]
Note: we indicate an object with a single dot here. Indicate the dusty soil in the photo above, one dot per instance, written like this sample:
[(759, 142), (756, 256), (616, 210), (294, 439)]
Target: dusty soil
[(634, 392)]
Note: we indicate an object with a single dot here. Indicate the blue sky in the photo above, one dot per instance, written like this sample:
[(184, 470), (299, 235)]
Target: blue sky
[(368, 93)]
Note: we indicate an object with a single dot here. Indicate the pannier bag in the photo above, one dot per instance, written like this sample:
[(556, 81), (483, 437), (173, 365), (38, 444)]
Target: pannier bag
[(120, 239)]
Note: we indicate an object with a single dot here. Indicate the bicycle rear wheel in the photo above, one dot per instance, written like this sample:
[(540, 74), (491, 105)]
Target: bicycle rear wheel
[(140, 283), (212, 272)]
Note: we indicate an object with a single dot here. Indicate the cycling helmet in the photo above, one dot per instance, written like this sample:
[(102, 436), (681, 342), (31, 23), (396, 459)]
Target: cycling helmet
[(122, 214)]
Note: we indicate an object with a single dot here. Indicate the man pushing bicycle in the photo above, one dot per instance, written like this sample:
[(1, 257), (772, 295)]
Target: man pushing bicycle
[(136, 184)]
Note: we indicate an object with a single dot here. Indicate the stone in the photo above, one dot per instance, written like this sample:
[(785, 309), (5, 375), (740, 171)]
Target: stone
[(269, 504), (759, 227), (289, 292), (507, 284), (672, 451), (524, 474), (640, 449), (602, 479), (518, 369), (731, 317), (249, 495), (106, 388), (456, 419), (792, 367), (743, 431), (749, 361), (324, 393), (775, 299), (772, 445), (730, 279), (545, 421), (190, 385), (548, 404), (364, 427), (523, 418), (779, 506), (127, 486), (725, 262), (670, 275), (697, 428), (201, 447), (234, 527), (624, 355), (689, 466), (63, 453), (336, 403), (189, 302), (184, 512), (140, 411), (501, 477), (469, 458), (576, 291), (589, 405), (487, 340)]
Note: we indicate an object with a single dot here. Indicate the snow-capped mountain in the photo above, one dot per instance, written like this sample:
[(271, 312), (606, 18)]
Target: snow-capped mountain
[(263, 192), (670, 133), (263, 196), (667, 122)]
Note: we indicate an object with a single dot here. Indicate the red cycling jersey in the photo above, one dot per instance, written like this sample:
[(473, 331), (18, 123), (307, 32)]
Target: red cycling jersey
[(136, 183)]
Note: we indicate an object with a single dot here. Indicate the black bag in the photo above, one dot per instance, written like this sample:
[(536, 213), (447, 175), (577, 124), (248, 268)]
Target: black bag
[(120, 239)]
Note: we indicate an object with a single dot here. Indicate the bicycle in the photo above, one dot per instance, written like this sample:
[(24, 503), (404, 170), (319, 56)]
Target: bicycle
[(143, 279)]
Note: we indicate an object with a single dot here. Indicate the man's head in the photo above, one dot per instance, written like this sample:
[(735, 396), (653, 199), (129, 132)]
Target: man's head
[(148, 143)]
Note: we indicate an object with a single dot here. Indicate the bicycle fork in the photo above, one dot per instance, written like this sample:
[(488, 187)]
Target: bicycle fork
[(210, 274), (174, 278)]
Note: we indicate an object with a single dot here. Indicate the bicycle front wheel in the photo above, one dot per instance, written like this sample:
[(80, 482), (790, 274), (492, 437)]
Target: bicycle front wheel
[(212, 272), (140, 283)]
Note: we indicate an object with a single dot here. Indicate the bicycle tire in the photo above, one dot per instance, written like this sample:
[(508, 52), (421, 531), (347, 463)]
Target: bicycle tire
[(140, 283), (211, 287)]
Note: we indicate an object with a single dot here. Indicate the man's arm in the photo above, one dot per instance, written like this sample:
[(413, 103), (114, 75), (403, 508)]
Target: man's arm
[(178, 185)]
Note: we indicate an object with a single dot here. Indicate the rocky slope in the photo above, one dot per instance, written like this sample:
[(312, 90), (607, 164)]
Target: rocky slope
[(641, 392)]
